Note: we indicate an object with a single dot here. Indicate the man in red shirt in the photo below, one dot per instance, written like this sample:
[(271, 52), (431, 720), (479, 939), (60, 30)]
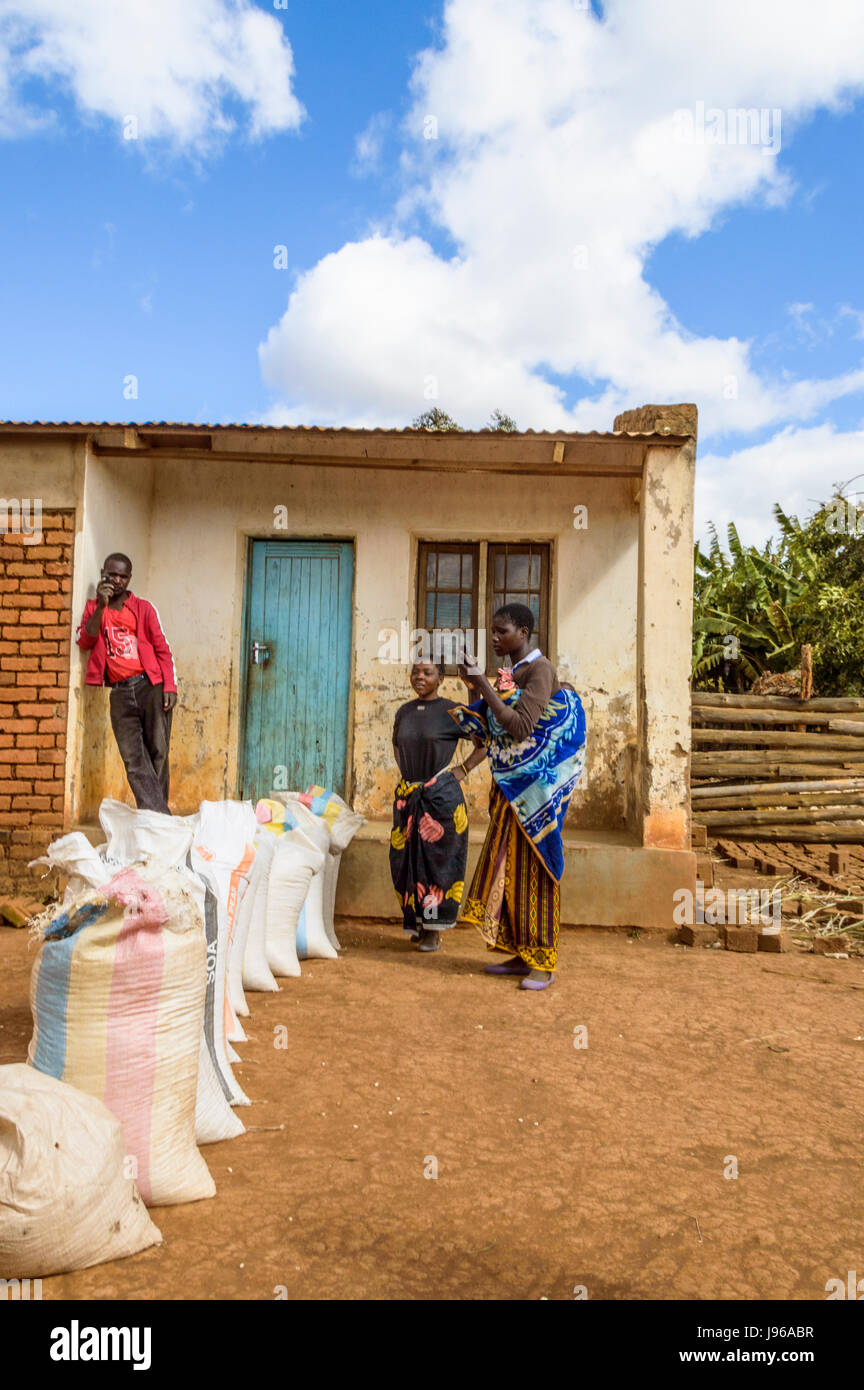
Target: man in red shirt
[(129, 652)]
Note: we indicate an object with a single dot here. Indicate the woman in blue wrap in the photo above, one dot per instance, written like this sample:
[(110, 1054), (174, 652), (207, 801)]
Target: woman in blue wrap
[(533, 728)]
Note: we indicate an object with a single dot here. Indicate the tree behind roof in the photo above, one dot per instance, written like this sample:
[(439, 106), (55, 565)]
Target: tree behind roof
[(436, 419)]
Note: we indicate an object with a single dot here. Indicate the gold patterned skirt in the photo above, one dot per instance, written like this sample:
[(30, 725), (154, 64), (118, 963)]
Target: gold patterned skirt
[(513, 900)]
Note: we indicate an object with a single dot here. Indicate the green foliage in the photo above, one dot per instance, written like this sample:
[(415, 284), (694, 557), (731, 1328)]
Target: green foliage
[(755, 608), (832, 606), (435, 419)]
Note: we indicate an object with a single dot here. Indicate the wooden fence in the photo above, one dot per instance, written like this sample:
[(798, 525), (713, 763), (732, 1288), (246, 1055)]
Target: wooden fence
[(778, 768)]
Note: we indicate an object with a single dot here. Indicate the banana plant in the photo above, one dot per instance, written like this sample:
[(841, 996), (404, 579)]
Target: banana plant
[(744, 604)]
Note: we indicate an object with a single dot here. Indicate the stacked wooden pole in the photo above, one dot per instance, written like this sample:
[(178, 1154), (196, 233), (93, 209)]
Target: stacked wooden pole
[(778, 768)]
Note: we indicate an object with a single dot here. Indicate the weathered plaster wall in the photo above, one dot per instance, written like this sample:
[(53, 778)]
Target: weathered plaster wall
[(202, 513), (665, 625), (186, 527), (622, 592), (115, 514), (47, 469)]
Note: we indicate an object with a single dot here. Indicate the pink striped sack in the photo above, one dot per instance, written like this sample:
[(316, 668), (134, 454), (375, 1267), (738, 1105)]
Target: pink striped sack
[(163, 842), (117, 996)]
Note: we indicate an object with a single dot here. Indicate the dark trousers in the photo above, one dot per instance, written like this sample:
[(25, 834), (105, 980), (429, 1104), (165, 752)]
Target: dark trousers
[(143, 733)]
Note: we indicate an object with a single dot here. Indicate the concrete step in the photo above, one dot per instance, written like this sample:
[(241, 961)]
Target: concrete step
[(610, 880)]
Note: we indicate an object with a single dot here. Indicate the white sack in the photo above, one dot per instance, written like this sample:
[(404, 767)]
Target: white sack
[(148, 837), (217, 1088), (74, 855), (257, 974), (343, 824), (224, 842), (295, 861), (312, 940), (311, 937), (65, 1202)]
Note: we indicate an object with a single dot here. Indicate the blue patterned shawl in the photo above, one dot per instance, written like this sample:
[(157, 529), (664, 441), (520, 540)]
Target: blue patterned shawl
[(538, 775)]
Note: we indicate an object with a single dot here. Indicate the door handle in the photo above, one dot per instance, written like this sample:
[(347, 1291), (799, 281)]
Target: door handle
[(260, 653)]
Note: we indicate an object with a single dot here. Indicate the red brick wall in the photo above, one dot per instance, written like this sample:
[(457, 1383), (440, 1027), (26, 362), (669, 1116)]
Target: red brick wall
[(35, 616)]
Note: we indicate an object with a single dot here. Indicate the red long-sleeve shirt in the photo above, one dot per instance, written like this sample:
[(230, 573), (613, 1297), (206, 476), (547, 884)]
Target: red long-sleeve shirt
[(154, 652)]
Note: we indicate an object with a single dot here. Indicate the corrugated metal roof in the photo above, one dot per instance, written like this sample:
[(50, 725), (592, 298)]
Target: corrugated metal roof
[(331, 429)]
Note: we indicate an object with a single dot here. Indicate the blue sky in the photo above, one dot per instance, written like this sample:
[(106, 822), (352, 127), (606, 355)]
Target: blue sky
[(440, 270), (161, 264), (743, 276)]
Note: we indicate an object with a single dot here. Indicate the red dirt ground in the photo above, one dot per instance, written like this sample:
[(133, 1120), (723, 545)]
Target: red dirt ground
[(601, 1167)]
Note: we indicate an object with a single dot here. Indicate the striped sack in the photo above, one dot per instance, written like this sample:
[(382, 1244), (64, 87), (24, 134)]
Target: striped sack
[(117, 996)]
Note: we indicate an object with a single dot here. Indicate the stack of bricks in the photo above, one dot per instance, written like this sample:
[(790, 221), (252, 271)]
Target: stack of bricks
[(35, 630), (745, 937)]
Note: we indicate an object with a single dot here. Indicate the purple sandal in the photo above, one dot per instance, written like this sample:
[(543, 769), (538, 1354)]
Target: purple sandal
[(503, 969), (536, 984)]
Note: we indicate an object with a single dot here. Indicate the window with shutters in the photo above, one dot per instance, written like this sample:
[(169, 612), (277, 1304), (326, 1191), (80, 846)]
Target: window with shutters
[(452, 576), (447, 599), (519, 573)]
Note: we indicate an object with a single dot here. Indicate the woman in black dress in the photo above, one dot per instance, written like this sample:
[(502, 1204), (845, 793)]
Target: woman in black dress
[(429, 839)]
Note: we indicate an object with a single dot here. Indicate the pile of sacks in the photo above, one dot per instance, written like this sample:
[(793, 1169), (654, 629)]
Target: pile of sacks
[(137, 995)]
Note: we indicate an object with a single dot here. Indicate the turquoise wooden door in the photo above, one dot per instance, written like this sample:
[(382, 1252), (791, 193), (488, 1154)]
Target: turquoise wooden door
[(298, 656)]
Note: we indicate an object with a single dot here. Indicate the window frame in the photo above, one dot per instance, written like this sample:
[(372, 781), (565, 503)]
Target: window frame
[(483, 553), (545, 550), (447, 547)]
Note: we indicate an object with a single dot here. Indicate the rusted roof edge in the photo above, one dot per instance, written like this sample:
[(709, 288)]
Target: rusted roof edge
[(88, 426)]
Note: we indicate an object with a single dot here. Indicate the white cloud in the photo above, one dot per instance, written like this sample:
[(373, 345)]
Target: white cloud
[(408, 309), (369, 144), (178, 67), (558, 163), (846, 311), (797, 468)]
